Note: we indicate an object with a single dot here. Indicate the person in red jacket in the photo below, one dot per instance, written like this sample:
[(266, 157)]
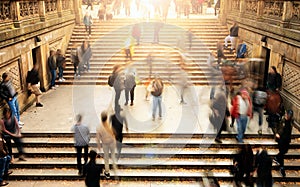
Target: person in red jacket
[(234, 108)]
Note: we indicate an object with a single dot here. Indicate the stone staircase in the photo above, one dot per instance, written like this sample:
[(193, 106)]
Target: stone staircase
[(108, 38), (166, 158)]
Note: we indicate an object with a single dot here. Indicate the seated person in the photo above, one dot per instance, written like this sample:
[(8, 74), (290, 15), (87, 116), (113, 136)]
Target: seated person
[(241, 50)]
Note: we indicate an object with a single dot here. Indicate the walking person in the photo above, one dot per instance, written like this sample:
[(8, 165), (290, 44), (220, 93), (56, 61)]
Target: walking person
[(52, 67), (11, 131), (136, 33), (4, 162), (219, 113), (75, 61), (157, 26), (84, 55), (233, 35), (81, 141), (9, 94), (117, 121), (274, 81), (61, 64), (128, 47), (116, 81), (105, 134), (220, 53), (130, 85), (33, 81), (88, 21), (92, 171), (259, 99), (190, 37), (283, 138), (243, 163), (263, 167), (156, 92), (245, 110)]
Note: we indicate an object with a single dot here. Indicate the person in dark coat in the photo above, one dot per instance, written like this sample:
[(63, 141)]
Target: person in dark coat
[(130, 85), (92, 171), (117, 121), (274, 80), (219, 113), (52, 67), (283, 138), (243, 162), (263, 167), (33, 80)]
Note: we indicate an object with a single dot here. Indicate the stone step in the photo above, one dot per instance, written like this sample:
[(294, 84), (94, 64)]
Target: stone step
[(142, 174), (142, 163)]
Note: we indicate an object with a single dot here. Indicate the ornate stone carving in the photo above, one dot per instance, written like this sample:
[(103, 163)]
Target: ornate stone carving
[(291, 79), (4, 10), (296, 11), (65, 4), (51, 5), (273, 8), (13, 70), (235, 5), (251, 6), (29, 8)]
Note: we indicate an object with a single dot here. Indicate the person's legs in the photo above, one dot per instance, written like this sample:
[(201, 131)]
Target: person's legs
[(78, 156), (112, 149), (14, 107), (244, 124), (239, 129), (53, 77), (233, 42), (106, 157), (86, 153), (159, 99), (132, 95), (227, 38), (126, 96), (154, 107), (117, 97), (90, 30)]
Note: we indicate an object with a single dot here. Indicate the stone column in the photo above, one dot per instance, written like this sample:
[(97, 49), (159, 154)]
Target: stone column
[(242, 8), (15, 11), (224, 9), (287, 14), (59, 8), (260, 9), (77, 9), (42, 11)]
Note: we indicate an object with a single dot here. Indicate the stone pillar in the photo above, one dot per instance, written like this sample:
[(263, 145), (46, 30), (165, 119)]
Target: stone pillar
[(42, 11), (287, 14), (242, 8), (15, 11), (224, 9), (260, 9), (71, 6), (59, 8), (77, 9)]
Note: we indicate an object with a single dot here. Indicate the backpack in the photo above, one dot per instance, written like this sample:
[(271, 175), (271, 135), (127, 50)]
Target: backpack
[(157, 89), (260, 97), (111, 80)]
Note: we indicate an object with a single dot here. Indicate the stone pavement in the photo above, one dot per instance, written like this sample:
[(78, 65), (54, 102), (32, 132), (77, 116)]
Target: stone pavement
[(61, 106)]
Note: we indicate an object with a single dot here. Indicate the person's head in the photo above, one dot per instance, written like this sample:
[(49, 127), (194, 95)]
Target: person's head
[(78, 118), (273, 69), (93, 155), (58, 52), (244, 94), (103, 116), (5, 77), (6, 113), (289, 114), (52, 52)]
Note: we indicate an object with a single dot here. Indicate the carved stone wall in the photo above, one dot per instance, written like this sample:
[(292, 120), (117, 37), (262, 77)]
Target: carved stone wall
[(296, 11), (273, 8), (251, 6), (291, 79), (50, 5), (29, 8), (5, 10)]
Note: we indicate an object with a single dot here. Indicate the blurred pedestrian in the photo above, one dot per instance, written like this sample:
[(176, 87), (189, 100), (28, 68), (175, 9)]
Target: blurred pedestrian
[(232, 37), (33, 81), (243, 163), (4, 162), (128, 48), (157, 26), (61, 64), (10, 95), (130, 85), (92, 171), (116, 80), (156, 92), (105, 134), (283, 138), (85, 54), (11, 131), (117, 121), (136, 33), (220, 52), (81, 141), (263, 167), (88, 22), (75, 61), (274, 81), (51, 61)]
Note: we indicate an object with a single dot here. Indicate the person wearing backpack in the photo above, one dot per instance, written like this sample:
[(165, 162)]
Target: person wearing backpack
[(156, 92), (259, 99)]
